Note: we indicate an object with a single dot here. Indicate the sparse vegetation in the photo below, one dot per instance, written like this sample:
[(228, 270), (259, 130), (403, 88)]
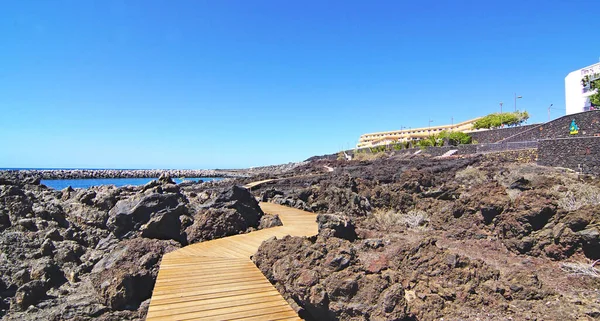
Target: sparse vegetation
[(471, 176), (390, 218), (366, 156), (582, 269), (578, 196)]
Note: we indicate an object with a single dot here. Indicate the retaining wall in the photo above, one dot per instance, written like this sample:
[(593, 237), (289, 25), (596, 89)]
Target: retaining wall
[(496, 135), (588, 123), (579, 154)]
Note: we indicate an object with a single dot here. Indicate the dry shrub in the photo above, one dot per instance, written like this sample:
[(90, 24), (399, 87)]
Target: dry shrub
[(412, 219), (536, 174), (580, 269), (513, 193), (471, 176), (368, 156), (579, 195)]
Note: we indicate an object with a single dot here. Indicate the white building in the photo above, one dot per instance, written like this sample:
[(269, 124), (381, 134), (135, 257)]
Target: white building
[(404, 135), (577, 90)]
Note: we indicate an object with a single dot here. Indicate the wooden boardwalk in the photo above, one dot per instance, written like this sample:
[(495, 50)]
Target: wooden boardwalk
[(216, 280)]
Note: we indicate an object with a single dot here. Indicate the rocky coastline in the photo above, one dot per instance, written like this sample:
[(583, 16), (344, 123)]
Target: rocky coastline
[(148, 173), (123, 173), (82, 254), (493, 237), (488, 237)]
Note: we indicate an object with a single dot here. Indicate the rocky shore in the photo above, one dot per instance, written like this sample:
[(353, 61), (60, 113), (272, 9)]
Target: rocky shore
[(82, 254), (491, 237), (479, 238)]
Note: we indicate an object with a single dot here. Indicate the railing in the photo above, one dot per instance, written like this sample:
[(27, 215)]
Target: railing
[(500, 147)]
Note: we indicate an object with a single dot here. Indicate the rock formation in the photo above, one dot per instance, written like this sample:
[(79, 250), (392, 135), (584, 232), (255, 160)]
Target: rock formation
[(94, 253)]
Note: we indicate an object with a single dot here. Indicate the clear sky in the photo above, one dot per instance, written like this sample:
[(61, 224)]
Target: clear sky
[(222, 83)]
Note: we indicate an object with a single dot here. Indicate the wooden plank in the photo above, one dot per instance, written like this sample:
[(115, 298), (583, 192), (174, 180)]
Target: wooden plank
[(208, 301), (231, 312), (187, 297), (214, 292), (223, 303), (216, 280), (277, 316)]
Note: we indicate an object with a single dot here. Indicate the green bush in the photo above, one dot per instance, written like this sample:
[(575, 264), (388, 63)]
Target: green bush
[(456, 138), (378, 149), (496, 120), (425, 143)]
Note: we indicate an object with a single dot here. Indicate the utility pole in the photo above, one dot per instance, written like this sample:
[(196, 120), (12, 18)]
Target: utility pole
[(549, 111)]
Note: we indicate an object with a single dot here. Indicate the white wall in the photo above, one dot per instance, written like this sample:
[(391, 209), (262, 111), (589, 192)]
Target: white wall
[(575, 101)]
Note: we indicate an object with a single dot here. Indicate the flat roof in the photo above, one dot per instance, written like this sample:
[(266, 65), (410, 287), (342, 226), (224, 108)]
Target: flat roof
[(423, 128)]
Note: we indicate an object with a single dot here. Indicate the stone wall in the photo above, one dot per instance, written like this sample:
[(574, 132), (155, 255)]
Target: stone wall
[(588, 123), (469, 149), (580, 154), (515, 156), (439, 151), (496, 135)]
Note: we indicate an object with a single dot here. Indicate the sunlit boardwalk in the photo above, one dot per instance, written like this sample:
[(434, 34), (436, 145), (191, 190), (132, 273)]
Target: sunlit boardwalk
[(216, 280), (250, 185)]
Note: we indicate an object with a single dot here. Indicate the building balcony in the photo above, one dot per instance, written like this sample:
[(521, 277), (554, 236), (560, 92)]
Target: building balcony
[(586, 91)]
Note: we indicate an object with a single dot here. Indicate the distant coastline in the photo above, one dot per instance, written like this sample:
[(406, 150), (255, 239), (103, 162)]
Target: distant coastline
[(83, 173), (124, 173)]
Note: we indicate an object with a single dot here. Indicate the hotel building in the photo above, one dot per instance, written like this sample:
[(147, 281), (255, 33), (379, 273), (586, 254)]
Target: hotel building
[(578, 91), (390, 137)]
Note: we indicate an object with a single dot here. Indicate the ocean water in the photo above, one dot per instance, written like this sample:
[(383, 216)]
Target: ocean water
[(59, 184)]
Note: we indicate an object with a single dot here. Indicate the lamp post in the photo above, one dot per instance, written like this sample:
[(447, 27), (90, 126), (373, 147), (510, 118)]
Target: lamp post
[(550, 107), (502, 125), (430, 126), (516, 97)]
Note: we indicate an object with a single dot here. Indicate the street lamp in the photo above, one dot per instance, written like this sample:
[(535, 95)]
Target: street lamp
[(550, 107), (501, 114), (516, 100)]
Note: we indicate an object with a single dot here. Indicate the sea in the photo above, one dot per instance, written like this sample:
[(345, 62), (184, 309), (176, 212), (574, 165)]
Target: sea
[(59, 184)]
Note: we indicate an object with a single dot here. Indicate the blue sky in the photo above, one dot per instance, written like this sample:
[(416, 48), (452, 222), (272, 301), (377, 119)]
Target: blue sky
[(222, 84)]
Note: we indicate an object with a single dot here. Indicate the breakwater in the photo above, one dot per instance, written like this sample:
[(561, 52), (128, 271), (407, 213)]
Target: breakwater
[(124, 173)]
